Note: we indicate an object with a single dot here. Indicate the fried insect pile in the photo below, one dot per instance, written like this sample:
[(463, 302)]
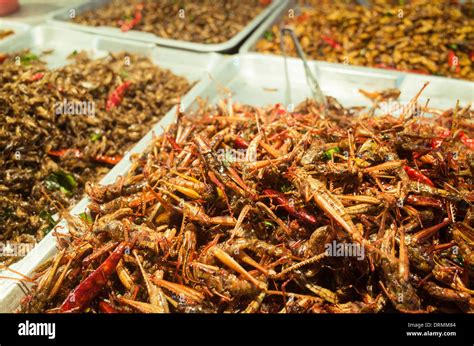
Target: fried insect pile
[(430, 37), (62, 127), (204, 21), (256, 210)]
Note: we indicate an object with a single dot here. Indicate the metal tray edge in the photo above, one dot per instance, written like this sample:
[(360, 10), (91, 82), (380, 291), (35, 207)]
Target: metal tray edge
[(249, 45), (151, 38)]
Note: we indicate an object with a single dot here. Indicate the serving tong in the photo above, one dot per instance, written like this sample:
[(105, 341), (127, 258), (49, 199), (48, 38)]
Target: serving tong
[(310, 78)]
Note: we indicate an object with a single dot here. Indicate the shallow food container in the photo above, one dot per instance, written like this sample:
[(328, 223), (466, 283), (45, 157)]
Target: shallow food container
[(278, 16), (64, 41), (62, 18), (260, 80), (193, 66)]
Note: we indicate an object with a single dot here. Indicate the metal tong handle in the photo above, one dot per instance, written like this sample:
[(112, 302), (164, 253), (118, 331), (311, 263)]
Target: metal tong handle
[(311, 80)]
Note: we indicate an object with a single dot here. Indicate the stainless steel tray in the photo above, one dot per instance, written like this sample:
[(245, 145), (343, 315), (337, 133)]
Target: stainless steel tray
[(194, 66), (62, 18), (18, 28), (259, 80), (277, 16), (64, 41)]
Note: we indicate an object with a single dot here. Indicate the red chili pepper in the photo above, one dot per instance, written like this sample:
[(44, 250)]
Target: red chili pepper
[(77, 153), (445, 133), (115, 98), (436, 142), (107, 308), (303, 17), (135, 292), (132, 23), (36, 76), (278, 109), (417, 176), (94, 283), (413, 71), (469, 142), (173, 143), (240, 143), (453, 61), (285, 203), (62, 152), (112, 160), (265, 2), (331, 42), (471, 55), (3, 57)]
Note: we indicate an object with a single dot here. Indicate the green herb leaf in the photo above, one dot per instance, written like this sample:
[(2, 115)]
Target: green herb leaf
[(86, 217), (28, 58), (453, 46), (268, 35), (46, 216), (328, 154), (124, 74), (51, 183), (95, 136), (62, 181), (268, 224)]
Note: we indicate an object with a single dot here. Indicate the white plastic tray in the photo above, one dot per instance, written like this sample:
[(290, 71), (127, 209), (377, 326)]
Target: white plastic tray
[(193, 66), (259, 80)]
